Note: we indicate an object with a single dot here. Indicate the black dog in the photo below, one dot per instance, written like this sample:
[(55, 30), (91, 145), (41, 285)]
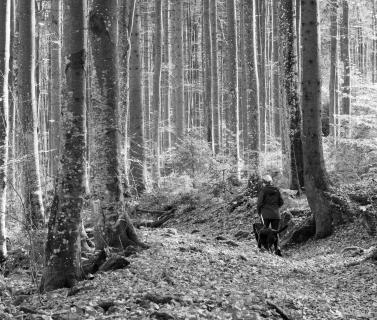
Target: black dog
[(268, 237)]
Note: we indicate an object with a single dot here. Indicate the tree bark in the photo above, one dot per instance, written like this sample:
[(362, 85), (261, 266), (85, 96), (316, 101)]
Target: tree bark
[(63, 249), (157, 92), (254, 90), (32, 192), (215, 78), (106, 160), (136, 129), (346, 87), (208, 104), (55, 76), (333, 65), (178, 68), (5, 7), (233, 79), (315, 175), (289, 54)]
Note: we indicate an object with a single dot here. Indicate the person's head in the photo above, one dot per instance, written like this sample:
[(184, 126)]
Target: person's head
[(267, 179)]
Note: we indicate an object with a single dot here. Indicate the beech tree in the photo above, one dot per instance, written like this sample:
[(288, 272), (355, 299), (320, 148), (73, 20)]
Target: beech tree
[(315, 174), (5, 8), (28, 112), (63, 250), (114, 227)]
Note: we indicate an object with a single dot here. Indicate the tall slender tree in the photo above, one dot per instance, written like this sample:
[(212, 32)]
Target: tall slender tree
[(28, 113), (253, 75), (5, 8), (215, 78), (178, 67), (157, 91), (233, 77), (333, 66), (56, 74), (136, 130), (63, 250), (345, 56)]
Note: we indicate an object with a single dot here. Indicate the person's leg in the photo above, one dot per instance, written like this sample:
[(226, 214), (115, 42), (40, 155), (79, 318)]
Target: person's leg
[(267, 222)]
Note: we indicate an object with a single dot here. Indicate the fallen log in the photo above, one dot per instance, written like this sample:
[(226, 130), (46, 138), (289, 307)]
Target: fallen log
[(154, 224), (154, 212)]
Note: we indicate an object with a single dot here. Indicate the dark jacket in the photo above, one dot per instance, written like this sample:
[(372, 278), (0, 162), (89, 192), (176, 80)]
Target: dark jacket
[(269, 202)]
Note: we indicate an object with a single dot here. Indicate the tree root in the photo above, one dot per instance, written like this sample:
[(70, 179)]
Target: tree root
[(279, 310)]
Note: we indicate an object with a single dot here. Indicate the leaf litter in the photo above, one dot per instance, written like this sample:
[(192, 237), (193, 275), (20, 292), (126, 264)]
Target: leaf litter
[(187, 275)]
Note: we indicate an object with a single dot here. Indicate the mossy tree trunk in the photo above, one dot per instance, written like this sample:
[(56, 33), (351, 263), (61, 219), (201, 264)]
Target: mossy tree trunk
[(63, 249), (32, 193), (5, 7), (106, 161)]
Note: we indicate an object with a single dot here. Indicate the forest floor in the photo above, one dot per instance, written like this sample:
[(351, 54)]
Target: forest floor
[(196, 269)]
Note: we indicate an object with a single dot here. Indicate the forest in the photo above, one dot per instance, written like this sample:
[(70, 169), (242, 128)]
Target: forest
[(137, 138)]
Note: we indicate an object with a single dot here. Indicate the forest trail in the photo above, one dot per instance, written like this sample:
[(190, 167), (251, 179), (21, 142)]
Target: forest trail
[(195, 276)]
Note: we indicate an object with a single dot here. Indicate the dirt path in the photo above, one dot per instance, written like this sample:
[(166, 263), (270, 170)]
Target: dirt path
[(187, 276)]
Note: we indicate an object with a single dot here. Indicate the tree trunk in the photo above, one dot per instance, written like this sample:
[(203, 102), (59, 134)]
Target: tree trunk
[(254, 90), (63, 249), (315, 175), (106, 160), (215, 78), (275, 69), (55, 85), (346, 87), (157, 92), (5, 7), (28, 114), (178, 68), (289, 56), (136, 129), (233, 78), (261, 47), (333, 65), (208, 104)]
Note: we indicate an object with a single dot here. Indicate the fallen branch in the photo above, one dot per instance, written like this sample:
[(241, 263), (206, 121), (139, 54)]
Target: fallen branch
[(154, 224), (156, 212), (279, 310)]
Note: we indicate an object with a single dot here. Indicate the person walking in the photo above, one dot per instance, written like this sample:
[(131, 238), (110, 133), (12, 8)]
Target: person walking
[(269, 203)]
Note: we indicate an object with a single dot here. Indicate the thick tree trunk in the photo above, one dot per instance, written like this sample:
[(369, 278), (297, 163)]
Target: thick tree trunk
[(63, 249), (254, 90), (106, 146), (136, 130), (289, 54), (233, 78), (178, 68), (315, 175), (167, 82), (5, 7), (28, 114)]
